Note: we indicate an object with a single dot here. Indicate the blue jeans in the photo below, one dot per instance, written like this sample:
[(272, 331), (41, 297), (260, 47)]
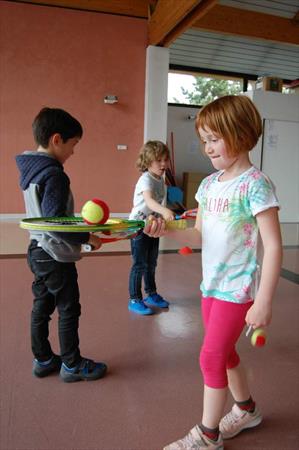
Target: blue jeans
[(145, 251), (55, 285)]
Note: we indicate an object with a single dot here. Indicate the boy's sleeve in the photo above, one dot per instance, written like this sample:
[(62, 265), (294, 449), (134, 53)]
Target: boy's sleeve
[(73, 238), (55, 196), (54, 203)]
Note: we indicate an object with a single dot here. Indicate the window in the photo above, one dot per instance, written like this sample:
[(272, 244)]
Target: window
[(200, 89)]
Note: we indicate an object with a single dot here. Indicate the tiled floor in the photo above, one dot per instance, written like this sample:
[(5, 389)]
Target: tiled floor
[(153, 391)]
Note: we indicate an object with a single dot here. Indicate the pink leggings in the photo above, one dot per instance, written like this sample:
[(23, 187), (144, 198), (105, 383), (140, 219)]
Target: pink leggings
[(223, 323)]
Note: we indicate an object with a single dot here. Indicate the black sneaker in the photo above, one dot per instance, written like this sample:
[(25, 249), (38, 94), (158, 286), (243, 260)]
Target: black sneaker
[(42, 369), (87, 370)]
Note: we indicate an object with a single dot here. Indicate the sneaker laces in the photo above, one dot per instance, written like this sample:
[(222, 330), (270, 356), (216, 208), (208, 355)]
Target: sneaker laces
[(137, 302), (194, 442), (158, 298), (87, 365), (231, 418), (141, 304)]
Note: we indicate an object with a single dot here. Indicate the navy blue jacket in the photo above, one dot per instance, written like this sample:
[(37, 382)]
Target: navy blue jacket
[(46, 189)]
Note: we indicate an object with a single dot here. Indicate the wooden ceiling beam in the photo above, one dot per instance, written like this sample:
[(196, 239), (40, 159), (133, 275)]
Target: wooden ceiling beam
[(240, 22), (133, 8), (172, 17), (295, 19)]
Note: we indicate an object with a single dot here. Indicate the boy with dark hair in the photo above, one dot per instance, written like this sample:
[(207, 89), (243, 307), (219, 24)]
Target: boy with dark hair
[(51, 256)]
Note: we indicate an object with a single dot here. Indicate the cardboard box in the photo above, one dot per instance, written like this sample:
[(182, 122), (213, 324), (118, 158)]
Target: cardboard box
[(191, 181), (269, 84)]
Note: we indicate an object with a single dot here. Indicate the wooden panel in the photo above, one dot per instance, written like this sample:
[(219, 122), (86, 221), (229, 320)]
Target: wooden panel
[(234, 21), (167, 14), (171, 18), (281, 8)]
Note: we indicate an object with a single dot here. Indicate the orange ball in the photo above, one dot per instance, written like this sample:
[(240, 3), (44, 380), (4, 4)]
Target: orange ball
[(185, 251)]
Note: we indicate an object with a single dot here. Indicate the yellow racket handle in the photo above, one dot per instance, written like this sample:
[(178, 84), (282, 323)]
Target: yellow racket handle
[(176, 224)]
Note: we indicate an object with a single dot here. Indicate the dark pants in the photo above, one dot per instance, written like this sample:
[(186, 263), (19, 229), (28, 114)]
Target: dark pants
[(55, 285), (145, 252)]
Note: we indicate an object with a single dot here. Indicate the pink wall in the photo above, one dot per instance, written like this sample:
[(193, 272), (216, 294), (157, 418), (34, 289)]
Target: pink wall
[(71, 59)]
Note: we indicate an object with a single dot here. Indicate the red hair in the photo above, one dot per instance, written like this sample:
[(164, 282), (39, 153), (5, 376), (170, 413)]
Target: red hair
[(235, 119)]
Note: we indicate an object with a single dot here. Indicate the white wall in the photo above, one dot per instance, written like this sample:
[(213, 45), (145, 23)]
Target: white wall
[(278, 149), (187, 153), (275, 106)]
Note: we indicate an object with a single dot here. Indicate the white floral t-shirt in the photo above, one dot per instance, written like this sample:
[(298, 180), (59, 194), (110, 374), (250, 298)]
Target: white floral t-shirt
[(231, 245)]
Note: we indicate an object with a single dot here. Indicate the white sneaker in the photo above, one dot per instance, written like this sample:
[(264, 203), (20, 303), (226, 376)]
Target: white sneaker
[(237, 420), (196, 440)]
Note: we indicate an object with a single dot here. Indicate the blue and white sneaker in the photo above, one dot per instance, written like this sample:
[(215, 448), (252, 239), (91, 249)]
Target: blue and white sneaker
[(138, 307), (42, 369), (156, 300), (86, 370)]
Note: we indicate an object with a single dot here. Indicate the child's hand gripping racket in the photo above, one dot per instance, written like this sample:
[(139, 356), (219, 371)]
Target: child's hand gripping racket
[(180, 221), (189, 214)]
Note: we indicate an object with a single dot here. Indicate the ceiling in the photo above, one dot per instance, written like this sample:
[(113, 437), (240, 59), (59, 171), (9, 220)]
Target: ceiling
[(258, 37)]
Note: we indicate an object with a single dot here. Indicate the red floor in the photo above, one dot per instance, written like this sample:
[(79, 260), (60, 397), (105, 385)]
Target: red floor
[(152, 393)]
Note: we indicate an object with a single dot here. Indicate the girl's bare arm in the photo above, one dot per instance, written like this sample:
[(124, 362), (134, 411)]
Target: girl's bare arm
[(190, 236), (261, 312)]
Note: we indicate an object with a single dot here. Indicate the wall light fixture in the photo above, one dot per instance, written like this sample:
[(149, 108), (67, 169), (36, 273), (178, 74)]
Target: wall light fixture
[(110, 99)]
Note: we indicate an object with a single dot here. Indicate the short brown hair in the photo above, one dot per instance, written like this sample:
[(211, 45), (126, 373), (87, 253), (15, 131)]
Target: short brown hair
[(235, 119), (55, 120), (149, 152)]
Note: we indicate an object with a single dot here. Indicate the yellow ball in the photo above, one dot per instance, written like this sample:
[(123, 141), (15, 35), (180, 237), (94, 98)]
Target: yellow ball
[(258, 338), (95, 211)]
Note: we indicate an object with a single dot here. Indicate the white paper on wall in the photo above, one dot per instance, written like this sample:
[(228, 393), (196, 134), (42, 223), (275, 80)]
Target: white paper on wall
[(271, 133), (280, 162)]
